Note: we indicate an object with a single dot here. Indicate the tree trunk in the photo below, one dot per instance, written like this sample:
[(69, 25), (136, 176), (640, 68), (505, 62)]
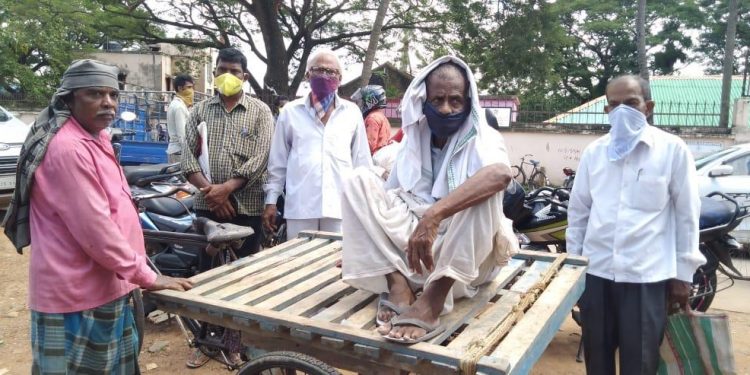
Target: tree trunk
[(277, 65), (372, 48), (641, 28), (726, 83)]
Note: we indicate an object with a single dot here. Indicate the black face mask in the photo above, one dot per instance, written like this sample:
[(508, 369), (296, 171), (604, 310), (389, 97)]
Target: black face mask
[(444, 126)]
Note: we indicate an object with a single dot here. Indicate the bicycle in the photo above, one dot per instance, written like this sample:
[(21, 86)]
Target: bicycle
[(537, 177)]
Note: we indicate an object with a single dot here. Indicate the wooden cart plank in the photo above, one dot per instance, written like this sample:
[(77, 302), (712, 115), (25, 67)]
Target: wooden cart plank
[(364, 318), (550, 257), (303, 290), (259, 294), (488, 321), (324, 297), (219, 271), (531, 277), (467, 308), (345, 307), (248, 318), (252, 264), (523, 346), (294, 263)]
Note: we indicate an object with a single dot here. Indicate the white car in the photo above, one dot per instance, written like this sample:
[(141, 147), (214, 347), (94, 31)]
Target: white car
[(12, 135), (726, 171)]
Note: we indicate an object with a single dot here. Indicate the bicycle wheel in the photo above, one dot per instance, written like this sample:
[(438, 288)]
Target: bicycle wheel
[(537, 180), (286, 363), (518, 174)]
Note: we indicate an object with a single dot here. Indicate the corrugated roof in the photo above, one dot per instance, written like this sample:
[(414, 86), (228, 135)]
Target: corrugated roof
[(680, 101)]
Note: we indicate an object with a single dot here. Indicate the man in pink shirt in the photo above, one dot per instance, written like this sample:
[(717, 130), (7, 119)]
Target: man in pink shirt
[(88, 251)]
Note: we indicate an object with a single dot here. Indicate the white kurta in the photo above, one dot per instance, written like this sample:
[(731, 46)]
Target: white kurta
[(378, 219), (311, 159)]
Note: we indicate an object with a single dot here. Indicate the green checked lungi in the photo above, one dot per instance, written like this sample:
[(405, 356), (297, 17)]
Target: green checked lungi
[(102, 340)]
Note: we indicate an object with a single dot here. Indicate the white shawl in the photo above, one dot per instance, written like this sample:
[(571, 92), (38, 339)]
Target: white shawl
[(473, 146)]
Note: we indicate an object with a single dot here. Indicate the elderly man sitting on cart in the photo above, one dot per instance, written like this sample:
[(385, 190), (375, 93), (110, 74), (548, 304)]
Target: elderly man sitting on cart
[(437, 224)]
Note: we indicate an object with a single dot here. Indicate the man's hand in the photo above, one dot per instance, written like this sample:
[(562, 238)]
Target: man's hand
[(224, 212), (165, 282), (269, 218), (420, 243), (216, 195), (678, 293)]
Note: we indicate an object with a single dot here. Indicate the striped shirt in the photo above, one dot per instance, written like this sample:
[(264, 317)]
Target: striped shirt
[(239, 142)]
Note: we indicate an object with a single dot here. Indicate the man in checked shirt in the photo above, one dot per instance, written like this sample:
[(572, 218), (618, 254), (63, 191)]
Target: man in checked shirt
[(239, 131)]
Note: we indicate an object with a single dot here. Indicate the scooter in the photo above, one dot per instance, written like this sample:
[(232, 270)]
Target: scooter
[(570, 176), (718, 218)]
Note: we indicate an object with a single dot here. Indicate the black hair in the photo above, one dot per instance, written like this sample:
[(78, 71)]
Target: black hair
[(279, 99), (181, 80), (491, 119), (443, 70), (232, 55)]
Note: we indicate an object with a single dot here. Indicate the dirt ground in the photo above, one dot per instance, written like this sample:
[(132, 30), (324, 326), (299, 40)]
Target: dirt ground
[(15, 356)]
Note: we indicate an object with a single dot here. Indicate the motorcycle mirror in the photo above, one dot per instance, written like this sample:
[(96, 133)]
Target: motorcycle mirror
[(127, 116), (721, 170)]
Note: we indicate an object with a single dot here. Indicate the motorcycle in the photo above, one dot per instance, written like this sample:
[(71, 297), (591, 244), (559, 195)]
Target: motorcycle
[(570, 176), (542, 223), (718, 218)]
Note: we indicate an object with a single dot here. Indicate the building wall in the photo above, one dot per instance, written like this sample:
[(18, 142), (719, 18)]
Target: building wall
[(556, 150), (146, 71)]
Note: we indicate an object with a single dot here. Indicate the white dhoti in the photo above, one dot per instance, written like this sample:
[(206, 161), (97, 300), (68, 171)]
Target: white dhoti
[(470, 248)]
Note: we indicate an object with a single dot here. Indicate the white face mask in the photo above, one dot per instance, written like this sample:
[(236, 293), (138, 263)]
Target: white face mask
[(627, 125)]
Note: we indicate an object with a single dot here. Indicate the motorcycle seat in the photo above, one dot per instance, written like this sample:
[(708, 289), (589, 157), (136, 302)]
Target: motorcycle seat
[(715, 212), (222, 232), (134, 173), (168, 206)]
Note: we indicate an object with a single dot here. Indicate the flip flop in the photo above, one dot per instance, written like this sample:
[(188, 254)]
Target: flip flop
[(431, 330), (383, 302), (197, 359)]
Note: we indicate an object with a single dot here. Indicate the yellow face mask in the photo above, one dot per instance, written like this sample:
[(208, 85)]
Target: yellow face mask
[(187, 96), (228, 84)]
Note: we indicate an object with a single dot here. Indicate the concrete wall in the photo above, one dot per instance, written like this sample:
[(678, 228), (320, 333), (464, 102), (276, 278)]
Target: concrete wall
[(145, 70), (557, 147)]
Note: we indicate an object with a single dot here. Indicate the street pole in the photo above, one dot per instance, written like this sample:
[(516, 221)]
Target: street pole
[(726, 84)]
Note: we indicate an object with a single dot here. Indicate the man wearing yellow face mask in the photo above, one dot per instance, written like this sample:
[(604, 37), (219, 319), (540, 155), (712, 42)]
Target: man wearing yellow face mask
[(177, 115), (238, 138)]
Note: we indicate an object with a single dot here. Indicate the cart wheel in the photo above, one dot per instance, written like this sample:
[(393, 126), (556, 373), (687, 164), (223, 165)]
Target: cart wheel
[(286, 363)]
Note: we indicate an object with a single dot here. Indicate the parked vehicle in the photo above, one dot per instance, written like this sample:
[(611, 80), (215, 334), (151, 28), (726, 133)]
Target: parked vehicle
[(533, 179), (543, 223), (720, 214), (12, 135), (570, 176), (726, 171), (204, 235)]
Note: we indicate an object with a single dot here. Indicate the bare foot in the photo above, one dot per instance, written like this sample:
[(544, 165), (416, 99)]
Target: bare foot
[(399, 293), (426, 308)]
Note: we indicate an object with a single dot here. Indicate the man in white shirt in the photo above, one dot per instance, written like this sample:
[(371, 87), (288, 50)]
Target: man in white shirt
[(438, 222), (318, 139), (634, 213), (177, 115)]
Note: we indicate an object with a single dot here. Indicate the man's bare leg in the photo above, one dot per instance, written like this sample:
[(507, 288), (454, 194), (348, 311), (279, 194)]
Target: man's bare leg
[(399, 293), (426, 308)]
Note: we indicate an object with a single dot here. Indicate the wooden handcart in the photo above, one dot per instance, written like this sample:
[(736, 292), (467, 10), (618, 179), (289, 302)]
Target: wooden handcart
[(291, 298)]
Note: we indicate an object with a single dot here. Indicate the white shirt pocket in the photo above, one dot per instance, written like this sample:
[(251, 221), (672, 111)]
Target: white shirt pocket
[(649, 193)]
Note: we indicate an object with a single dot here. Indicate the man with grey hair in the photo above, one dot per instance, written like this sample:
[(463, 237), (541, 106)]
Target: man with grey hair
[(73, 203), (318, 139), (634, 213)]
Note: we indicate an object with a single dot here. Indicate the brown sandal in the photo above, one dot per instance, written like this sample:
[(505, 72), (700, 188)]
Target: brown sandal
[(197, 359)]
